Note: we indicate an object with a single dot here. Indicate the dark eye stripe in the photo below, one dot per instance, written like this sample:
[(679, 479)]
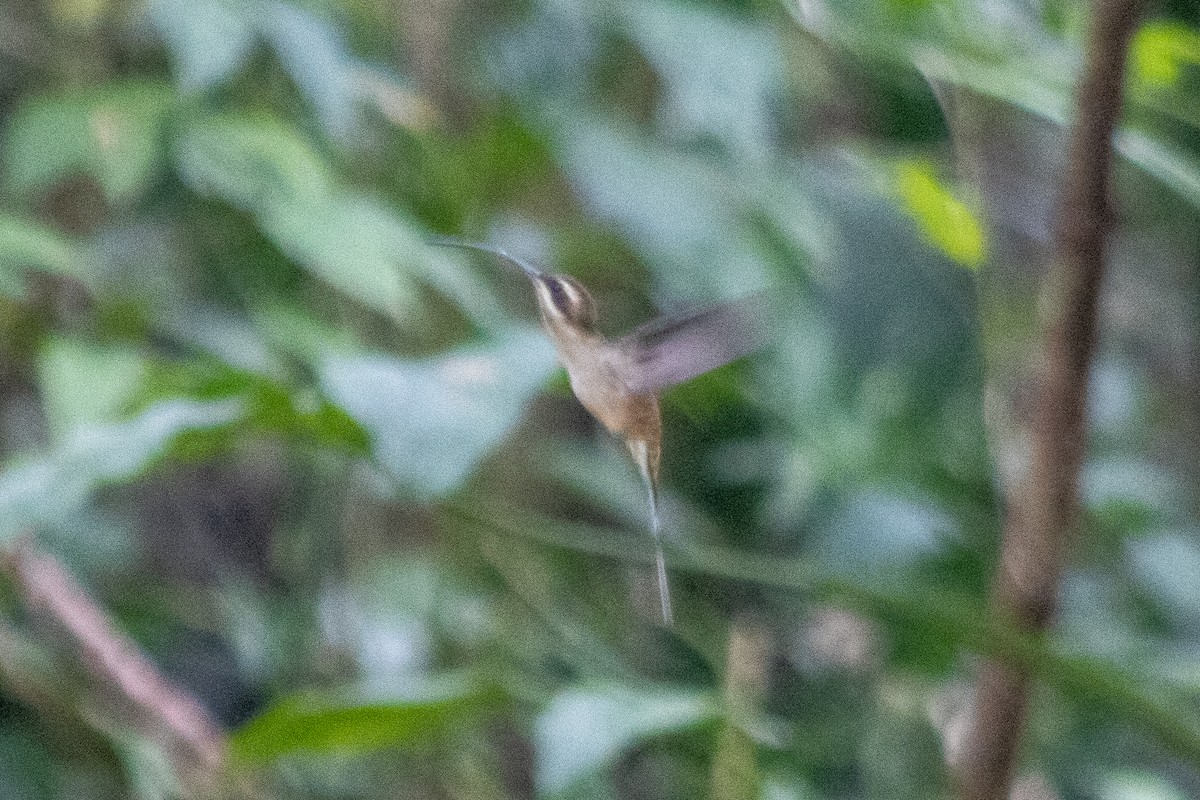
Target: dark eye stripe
[(560, 296)]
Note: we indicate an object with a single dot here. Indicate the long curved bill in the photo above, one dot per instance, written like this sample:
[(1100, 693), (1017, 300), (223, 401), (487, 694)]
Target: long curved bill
[(498, 252)]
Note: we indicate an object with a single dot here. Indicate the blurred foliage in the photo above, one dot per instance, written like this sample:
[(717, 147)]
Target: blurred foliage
[(328, 477)]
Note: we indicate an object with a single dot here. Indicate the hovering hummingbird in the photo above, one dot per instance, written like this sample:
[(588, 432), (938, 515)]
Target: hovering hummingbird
[(618, 380)]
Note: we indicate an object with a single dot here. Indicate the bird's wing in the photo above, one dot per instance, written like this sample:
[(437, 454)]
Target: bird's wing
[(677, 348)]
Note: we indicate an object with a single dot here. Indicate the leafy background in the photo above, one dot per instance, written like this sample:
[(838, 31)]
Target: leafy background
[(329, 478)]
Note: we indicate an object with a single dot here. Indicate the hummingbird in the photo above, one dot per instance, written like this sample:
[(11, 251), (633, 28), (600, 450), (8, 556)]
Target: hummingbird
[(618, 380)]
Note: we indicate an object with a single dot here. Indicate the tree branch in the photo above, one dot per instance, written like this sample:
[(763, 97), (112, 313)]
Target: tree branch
[(1042, 511), (135, 688)]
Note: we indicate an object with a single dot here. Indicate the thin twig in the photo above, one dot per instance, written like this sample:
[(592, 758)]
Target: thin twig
[(156, 706), (1144, 701), (1042, 511)]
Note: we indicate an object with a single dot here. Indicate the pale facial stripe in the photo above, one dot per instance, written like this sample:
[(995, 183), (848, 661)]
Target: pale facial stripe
[(560, 295)]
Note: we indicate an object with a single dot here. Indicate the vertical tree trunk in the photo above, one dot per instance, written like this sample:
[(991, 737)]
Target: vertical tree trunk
[(1042, 511)]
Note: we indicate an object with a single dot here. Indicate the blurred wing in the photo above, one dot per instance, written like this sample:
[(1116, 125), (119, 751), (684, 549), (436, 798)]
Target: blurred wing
[(675, 349)]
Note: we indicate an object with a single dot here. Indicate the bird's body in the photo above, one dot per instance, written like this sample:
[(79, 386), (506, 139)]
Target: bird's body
[(618, 381), (595, 366)]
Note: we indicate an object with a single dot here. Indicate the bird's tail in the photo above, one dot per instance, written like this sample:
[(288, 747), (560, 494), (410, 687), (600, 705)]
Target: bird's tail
[(641, 455)]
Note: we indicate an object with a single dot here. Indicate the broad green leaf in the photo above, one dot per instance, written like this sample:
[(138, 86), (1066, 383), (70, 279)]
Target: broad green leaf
[(209, 40), (84, 383), (263, 166), (255, 163), (220, 332), (944, 219), (293, 331), (583, 730), (1137, 785), (62, 479), (679, 211), (298, 413), (431, 421), (346, 722), (1174, 167), (1167, 566), (113, 133), (376, 254), (29, 245), (315, 55), (353, 241), (721, 72)]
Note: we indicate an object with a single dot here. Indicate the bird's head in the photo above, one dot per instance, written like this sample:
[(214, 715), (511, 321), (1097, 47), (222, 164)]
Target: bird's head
[(564, 302)]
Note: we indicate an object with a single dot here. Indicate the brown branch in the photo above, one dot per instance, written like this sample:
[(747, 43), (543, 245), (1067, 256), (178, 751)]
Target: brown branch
[(1043, 509), (135, 688)]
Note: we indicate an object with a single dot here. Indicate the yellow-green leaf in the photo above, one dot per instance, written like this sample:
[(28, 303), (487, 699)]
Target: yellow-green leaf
[(945, 220), (340, 722), (1160, 49)]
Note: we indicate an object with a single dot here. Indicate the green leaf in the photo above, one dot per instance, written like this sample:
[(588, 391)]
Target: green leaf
[(720, 72), (944, 219), (291, 330), (255, 163), (113, 133), (735, 766), (1159, 50), (84, 383), (1173, 167), (432, 421), (1132, 784), (315, 55), (348, 239), (678, 211), (29, 245), (263, 166), (62, 479), (269, 406), (354, 243), (208, 40), (1051, 100), (583, 730), (344, 722)]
